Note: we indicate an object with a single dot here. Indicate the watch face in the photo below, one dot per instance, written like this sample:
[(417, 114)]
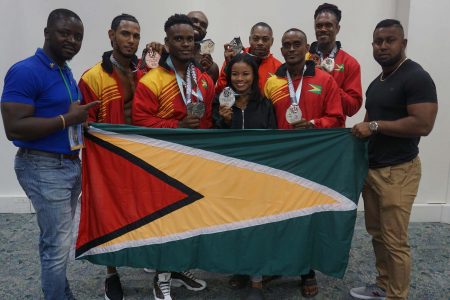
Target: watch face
[(373, 126)]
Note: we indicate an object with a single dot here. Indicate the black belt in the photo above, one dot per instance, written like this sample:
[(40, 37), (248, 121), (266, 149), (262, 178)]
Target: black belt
[(23, 151)]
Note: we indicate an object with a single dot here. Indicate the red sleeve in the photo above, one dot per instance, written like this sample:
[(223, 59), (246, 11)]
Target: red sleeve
[(333, 115), (222, 81), (145, 109), (351, 90), (89, 96), (209, 94)]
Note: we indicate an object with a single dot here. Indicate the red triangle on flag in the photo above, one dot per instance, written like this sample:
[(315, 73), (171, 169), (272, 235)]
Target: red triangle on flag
[(107, 194)]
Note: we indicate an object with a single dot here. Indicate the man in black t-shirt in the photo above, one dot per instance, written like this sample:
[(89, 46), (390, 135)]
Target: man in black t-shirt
[(401, 106)]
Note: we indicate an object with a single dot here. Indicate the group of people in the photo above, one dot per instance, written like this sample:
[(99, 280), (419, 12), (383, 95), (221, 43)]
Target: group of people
[(317, 86)]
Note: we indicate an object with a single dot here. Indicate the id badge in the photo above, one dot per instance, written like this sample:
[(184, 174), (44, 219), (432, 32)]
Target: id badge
[(76, 137)]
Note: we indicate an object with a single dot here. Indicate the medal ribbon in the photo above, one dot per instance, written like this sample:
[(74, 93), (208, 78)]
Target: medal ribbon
[(74, 129), (67, 85), (332, 54), (190, 76), (295, 95)]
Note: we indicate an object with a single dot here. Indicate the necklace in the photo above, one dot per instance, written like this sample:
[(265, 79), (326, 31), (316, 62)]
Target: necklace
[(381, 75), (119, 66)]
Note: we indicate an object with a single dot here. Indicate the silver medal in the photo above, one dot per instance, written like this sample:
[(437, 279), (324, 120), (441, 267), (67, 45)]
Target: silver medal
[(198, 110), (206, 47), (236, 45), (152, 59), (328, 64), (189, 108), (293, 114), (227, 97)]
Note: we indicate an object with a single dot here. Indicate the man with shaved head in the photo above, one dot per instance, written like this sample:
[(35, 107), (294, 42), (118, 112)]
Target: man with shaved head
[(200, 24)]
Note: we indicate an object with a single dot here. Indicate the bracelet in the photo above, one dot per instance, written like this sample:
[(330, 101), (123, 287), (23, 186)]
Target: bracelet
[(63, 121)]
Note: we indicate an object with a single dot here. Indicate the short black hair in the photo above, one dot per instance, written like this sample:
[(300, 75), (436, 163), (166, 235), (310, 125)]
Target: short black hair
[(59, 13), (123, 17), (389, 23), (331, 8), (249, 60), (177, 19), (297, 30), (262, 24)]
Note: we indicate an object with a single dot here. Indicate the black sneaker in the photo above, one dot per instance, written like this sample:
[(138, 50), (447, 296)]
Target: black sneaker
[(161, 286), (113, 288), (188, 280)]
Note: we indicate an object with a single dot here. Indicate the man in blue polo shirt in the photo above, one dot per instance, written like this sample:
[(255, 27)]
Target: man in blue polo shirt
[(39, 107)]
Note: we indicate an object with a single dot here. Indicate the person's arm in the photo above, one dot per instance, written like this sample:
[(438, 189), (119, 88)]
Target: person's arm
[(222, 81), (210, 67), (18, 107), (419, 92), (89, 96), (419, 122), (20, 123), (207, 87), (145, 109), (351, 90), (272, 121)]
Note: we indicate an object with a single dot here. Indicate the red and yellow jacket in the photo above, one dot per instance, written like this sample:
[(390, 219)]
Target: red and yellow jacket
[(101, 82), (158, 103), (347, 74), (267, 67), (319, 100)]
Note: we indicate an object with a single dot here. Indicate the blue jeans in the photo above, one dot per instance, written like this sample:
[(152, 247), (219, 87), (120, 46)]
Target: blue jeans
[(53, 185)]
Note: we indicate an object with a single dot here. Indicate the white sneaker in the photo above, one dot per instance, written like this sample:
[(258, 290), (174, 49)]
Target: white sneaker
[(147, 270), (370, 292), (188, 280), (161, 286)]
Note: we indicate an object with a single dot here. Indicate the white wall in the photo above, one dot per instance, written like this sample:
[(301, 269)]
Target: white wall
[(234, 18), (428, 43)]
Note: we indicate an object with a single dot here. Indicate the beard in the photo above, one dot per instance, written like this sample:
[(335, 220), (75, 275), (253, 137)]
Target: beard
[(390, 62), (119, 51), (125, 54), (199, 37)]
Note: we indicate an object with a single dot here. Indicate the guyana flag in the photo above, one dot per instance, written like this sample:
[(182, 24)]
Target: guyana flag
[(268, 202)]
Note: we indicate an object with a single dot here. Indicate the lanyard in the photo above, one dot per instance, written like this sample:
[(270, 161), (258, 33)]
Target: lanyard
[(295, 95), (66, 84), (190, 76), (332, 54)]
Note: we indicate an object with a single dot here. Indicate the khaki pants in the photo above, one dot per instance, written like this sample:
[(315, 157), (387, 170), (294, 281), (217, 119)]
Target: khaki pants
[(388, 197)]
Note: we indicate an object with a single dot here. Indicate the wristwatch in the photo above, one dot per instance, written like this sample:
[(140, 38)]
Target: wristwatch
[(373, 126)]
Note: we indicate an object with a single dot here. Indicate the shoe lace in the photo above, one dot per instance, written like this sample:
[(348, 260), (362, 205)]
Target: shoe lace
[(189, 275), (164, 286)]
